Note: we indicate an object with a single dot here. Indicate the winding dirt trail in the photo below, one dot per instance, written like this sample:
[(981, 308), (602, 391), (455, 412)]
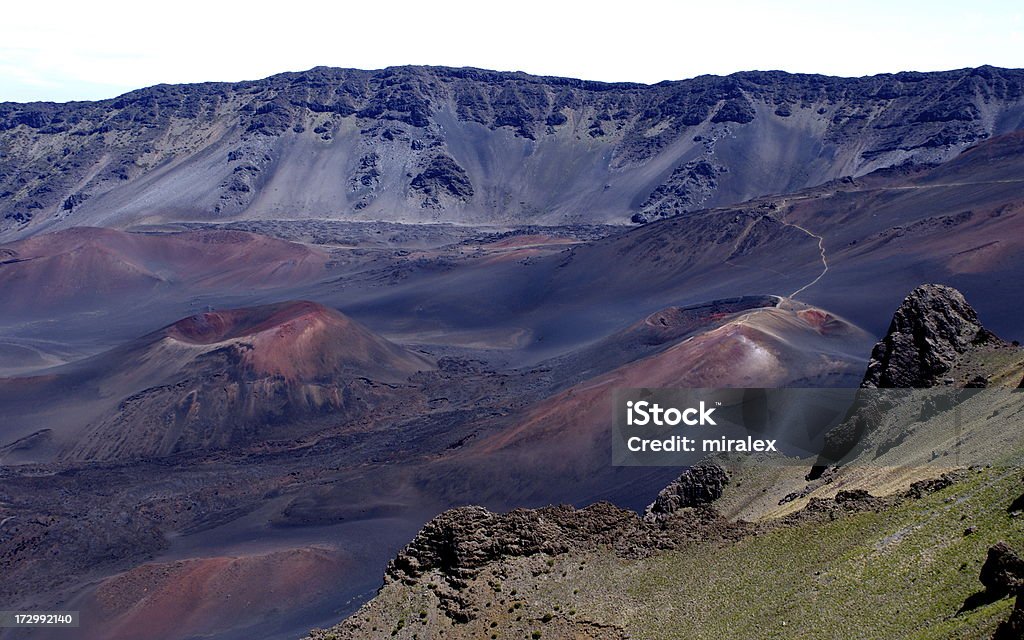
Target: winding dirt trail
[(824, 259), (783, 202)]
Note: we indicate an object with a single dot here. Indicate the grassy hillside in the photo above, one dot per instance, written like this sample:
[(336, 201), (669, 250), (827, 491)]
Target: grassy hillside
[(900, 573), (903, 571), (865, 551)]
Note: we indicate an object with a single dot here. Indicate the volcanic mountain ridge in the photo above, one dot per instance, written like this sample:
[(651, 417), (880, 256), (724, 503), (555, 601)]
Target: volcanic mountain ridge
[(427, 144)]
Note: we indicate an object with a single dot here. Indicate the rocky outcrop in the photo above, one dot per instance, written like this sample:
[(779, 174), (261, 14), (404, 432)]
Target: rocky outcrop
[(456, 545), (459, 542), (442, 181), (844, 502), (696, 487), (467, 560), (929, 332), (453, 548), (1003, 571), (1003, 575), (689, 186), (922, 488)]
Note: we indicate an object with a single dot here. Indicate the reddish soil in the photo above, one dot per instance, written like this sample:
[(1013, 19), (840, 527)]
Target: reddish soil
[(298, 340), (85, 265), (178, 599)]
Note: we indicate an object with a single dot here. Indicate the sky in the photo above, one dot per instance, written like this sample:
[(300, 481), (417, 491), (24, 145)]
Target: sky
[(62, 50)]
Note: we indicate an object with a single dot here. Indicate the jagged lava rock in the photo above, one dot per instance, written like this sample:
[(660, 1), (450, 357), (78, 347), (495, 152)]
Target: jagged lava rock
[(461, 541), (929, 331), (697, 486), (1003, 571)]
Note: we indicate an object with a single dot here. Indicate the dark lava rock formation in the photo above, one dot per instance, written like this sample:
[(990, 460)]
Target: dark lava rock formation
[(1003, 575), (689, 186), (1003, 571), (459, 543), (443, 177), (697, 486), (928, 333), (451, 553)]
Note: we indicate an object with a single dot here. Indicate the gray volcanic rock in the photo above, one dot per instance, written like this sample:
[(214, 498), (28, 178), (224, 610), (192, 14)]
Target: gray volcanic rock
[(442, 179), (455, 546), (461, 541), (929, 331), (344, 143), (689, 186), (697, 486)]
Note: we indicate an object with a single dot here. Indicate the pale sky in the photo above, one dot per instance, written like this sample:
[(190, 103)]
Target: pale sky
[(90, 50)]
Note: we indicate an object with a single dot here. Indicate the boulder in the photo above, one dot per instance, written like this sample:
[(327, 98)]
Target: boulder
[(1003, 571), (928, 333), (697, 486)]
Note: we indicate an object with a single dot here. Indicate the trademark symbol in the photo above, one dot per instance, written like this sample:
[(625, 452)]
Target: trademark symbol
[(718, 403)]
